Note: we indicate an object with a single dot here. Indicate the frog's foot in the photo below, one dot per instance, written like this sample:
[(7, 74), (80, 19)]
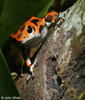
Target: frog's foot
[(32, 70), (29, 76), (14, 75), (22, 75), (32, 67)]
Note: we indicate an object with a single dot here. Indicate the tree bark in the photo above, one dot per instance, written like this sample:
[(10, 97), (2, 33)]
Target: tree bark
[(60, 74)]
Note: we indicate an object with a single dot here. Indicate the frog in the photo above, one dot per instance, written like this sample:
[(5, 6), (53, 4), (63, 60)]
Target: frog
[(32, 33)]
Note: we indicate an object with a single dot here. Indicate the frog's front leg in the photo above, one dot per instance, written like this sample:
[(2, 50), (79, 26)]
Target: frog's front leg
[(28, 63), (32, 67)]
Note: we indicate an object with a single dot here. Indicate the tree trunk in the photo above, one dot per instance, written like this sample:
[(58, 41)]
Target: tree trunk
[(60, 74)]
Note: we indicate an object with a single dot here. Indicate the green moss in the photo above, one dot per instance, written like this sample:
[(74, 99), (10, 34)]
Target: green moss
[(81, 96)]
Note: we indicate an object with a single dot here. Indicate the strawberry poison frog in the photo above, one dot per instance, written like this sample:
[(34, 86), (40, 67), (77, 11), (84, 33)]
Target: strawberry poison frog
[(32, 33)]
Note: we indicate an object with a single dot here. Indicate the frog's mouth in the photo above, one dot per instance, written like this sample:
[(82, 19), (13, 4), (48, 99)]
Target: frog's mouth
[(27, 40)]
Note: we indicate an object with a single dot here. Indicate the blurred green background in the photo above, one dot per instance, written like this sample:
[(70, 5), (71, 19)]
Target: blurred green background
[(13, 13)]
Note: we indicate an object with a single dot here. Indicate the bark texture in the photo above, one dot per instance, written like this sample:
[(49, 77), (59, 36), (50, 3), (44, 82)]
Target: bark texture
[(60, 74)]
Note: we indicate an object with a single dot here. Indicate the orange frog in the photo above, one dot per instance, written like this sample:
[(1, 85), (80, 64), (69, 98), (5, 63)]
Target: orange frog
[(32, 33)]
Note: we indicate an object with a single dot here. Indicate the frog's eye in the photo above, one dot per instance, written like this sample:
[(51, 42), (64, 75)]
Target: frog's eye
[(29, 29)]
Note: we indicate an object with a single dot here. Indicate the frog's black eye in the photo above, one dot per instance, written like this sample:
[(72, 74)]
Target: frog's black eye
[(29, 29)]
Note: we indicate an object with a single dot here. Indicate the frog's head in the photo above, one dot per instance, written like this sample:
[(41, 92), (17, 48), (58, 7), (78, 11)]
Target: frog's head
[(29, 30)]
